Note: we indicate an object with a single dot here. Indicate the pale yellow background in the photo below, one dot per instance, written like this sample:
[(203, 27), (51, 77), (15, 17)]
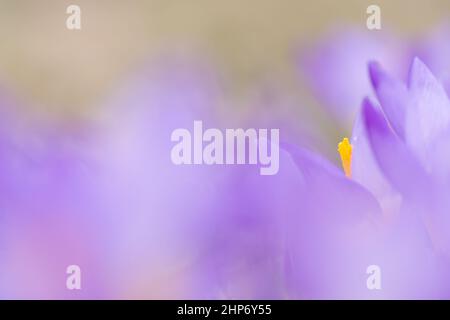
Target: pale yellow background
[(68, 71)]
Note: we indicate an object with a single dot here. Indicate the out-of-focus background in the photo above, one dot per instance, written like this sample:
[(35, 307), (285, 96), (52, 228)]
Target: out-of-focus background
[(89, 181), (68, 71)]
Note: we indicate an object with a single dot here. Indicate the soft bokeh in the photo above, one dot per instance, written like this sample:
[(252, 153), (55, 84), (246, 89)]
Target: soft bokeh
[(85, 170)]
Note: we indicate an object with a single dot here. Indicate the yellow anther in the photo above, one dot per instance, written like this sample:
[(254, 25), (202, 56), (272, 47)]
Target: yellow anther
[(345, 151)]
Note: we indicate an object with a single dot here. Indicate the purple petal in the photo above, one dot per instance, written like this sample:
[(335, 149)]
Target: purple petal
[(324, 260), (434, 50), (319, 174), (392, 95), (394, 158), (429, 113), (365, 168), (339, 232)]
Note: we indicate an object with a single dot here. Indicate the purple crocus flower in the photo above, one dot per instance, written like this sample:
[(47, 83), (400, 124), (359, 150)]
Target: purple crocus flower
[(391, 209)]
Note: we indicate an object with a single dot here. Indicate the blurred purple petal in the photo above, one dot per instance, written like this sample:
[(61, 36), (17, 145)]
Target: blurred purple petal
[(428, 114), (336, 68), (393, 96), (434, 50), (365, 168)]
